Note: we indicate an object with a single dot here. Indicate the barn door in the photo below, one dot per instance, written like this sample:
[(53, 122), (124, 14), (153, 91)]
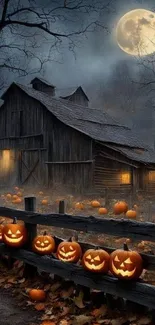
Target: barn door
[(30, 171)]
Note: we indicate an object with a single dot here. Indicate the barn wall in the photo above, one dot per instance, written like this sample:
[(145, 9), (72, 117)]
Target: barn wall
[(67, 145), (21, 118), (111, 175), (150, 181)]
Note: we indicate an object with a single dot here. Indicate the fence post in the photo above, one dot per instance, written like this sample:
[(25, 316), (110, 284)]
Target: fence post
[(62, 207), (30, 205)]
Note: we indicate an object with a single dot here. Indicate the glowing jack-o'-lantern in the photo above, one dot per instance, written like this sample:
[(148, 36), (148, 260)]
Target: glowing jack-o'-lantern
[(96, 260), (14, 234), (1, 232), (69, 251), (126, 264), (43, 244)]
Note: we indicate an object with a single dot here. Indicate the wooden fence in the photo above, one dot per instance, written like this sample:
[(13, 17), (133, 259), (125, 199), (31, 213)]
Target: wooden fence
[(136, 291)]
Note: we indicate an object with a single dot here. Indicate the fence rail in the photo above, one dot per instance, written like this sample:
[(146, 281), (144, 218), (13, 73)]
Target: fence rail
[(139, 291), (113, 227)]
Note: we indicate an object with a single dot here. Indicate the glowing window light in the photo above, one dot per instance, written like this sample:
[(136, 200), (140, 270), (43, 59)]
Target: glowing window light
[(125, 178), (152, 176)]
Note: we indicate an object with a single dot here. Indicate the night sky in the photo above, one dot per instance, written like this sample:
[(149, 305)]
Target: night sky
[(95, 59)]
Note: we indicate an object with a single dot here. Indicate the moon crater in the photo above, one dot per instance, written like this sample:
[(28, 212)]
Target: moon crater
[(135, 32)]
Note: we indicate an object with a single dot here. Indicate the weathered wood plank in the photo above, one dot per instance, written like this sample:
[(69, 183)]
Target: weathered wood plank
[(113, 227), (70, 162), (138, 292)]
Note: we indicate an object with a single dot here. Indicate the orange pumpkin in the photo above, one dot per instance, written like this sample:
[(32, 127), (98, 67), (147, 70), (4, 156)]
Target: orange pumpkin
[(126, 264), (15, 197), (14, 234), (48, 322), (96, 260), (19, 194), (102, 211), (120, 207), (8, 196), (69, 251), (43, 244), (132, 214), (37, 295), (95, 204), (44, 202), (18, 200), (79, 206)]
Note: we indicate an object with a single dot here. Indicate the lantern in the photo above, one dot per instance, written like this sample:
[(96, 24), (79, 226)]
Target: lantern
[(96, 260), (69, 251), (126, 264), (43, 244), (14, 234)]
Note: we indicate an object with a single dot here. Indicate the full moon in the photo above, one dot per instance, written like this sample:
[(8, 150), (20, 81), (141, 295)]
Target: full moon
[(135, 32)]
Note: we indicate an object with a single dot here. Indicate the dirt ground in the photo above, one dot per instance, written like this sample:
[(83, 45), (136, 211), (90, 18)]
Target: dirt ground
[(11, 313)]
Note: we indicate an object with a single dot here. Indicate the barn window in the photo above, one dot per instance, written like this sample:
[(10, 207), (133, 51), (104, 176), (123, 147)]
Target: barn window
[(152, 176), (126, 178)]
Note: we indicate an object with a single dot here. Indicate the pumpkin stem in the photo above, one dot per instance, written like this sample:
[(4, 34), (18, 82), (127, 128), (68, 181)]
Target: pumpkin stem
[(125, 246), (45, 233), (14, 220), (70, 239)]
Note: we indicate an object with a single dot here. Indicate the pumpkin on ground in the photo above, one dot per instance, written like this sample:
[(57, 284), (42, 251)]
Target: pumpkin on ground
[(96, 260), (8, 196), (14, 234), (69, 251), (79, 206), (44, 202), (126, 264), (37, 294), (18, 200), (43, 244), (120, 207), (132, 214), (102, 211), (95, 204)]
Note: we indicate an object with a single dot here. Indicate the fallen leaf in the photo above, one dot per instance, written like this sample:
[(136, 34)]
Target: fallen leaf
[(79, 300), (63, 322), (39, 306), (82, 320), (66, 293), (12, 280), (143, 321), (49, 311), (48, 322), (7, 286), (65, 311), (2, 280), (102, 311), (55, 286), (21, 280), (118, 321), (47, 287)]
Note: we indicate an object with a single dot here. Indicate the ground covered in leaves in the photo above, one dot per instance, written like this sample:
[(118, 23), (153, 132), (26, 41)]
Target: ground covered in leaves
[(65, 304)]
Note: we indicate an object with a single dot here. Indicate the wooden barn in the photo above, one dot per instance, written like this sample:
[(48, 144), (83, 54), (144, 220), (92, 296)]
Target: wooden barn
[(51, 141)]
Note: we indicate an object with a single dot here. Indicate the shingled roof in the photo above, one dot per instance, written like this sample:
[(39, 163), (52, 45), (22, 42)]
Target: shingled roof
[(94, 123)]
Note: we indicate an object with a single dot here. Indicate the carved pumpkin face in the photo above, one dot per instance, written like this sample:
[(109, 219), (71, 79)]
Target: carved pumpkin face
[(14, 235), (96, 260), (1, 233), (126, 264), (69, 251), (43, 244)]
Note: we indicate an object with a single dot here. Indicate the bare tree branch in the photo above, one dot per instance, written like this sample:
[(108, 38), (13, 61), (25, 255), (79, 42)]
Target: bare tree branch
[(27, 26)]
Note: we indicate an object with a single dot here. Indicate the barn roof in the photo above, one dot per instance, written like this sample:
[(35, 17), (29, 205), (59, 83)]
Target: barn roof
[(43, 81), (77, 90), (94, 123)]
